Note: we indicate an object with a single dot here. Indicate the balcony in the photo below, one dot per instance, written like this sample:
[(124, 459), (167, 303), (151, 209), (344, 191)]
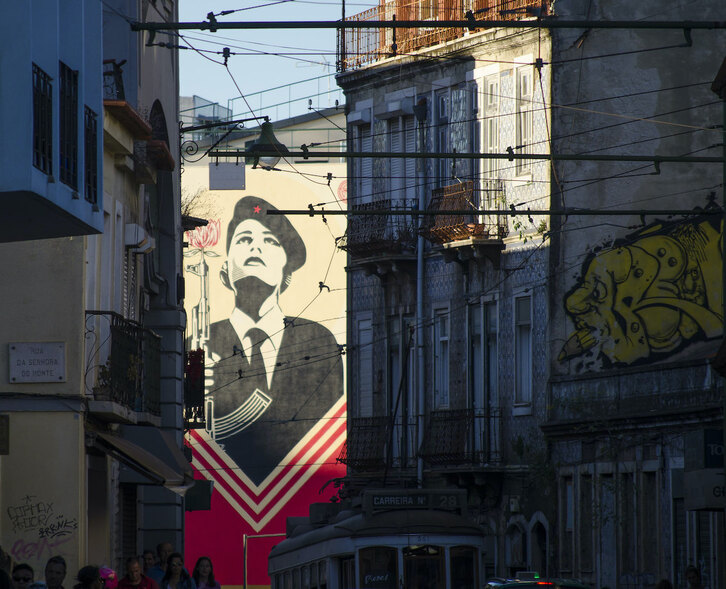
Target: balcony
[(367, 446), (126, 387), (361, 47), (685, 391), (364, 448), (461, 438), (466, 236), (382, 237), (452, 438)]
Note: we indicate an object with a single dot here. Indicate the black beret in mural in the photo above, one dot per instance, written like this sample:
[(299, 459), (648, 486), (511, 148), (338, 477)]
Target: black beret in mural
[(254, 207)]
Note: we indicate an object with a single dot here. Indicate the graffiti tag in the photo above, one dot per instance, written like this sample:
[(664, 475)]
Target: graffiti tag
[(30, 516), (41, 549), (62, 526)]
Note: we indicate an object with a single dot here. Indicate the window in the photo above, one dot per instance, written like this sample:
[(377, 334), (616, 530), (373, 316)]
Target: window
[(443, 166), (567, 516), (68, 126), (474, 135), (524, 116), (586, 523), (523, 350), (364, 166), (483, 374), (441, 358), (628, 539), (90, 157), (42, 121), (649, 520), (491, 127), (378, 567), (401, 379), (409, 141), (464, 570), (365, 368)]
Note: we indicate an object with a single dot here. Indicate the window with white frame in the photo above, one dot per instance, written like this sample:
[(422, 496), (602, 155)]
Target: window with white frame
[(474, 134), (483, 372), (523, 350), (364, 346), (491, 126), (441, 358), (524, 120)]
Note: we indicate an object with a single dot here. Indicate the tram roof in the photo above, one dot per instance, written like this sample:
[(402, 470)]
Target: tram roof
[(398, 522)]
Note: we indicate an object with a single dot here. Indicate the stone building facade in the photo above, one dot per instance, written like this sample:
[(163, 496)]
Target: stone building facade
[(555, 366)]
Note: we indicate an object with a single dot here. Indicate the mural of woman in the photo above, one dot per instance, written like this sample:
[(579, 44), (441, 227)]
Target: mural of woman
[(273, 376)]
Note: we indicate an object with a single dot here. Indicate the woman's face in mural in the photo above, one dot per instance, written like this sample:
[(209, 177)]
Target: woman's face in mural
[(256, 251)]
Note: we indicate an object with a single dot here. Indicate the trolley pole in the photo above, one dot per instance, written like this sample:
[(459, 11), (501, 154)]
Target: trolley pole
[(245, 538)]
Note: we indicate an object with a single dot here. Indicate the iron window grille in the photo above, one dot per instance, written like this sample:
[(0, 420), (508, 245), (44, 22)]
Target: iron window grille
[(90, 183), (42, 121), (68, 126)]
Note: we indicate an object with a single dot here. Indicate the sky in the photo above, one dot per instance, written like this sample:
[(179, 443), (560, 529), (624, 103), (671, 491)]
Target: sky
[(313, 52)]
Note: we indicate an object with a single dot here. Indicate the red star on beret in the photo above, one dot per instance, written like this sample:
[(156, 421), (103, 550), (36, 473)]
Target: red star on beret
[(257, 209)]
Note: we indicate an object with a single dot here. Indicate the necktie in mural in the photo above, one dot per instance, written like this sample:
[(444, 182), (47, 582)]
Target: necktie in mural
[(255, 377)]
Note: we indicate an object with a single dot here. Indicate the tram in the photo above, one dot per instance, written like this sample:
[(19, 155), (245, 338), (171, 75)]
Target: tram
[(408, 539)]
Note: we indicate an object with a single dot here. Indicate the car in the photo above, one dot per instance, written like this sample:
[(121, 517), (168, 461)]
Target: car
[(532, 580)]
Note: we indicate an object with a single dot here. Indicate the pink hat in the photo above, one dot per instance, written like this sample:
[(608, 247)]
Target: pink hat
[(110, 579)]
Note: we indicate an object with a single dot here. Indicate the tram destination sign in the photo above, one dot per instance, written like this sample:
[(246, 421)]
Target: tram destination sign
[(442, 499)]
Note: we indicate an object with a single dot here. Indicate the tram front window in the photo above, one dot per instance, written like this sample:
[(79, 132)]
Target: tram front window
[(463, 567), (423, 567), (378, 568)]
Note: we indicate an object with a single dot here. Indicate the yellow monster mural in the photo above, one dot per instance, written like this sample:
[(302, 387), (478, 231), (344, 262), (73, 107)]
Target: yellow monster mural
[(649, 295)]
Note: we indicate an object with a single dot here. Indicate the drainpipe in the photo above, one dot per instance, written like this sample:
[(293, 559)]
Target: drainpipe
[(420, 112)]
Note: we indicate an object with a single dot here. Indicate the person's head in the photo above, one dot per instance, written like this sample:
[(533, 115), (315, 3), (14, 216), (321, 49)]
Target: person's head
[(134, 570), (693, 576), (22, 576), (174, 565), (163, 550), (149, 559), (204, 570), (55, 572), (89, 577), (109, 577), (266, 247)]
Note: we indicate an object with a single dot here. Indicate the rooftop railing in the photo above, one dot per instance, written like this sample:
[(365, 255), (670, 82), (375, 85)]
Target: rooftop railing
[(361, 47)]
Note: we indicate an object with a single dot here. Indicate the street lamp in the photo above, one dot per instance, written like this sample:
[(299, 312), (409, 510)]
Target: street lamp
[(268, 143)]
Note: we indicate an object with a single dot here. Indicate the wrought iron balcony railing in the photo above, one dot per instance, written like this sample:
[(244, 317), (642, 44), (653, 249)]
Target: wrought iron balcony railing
[(360, 47), (365, 446), (460, 437), (451, 438), (131, 376), (445, 228), (599, 397), (369, 235)]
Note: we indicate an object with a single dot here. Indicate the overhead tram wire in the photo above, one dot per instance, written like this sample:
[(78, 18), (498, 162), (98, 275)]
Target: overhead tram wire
[(546, 23)]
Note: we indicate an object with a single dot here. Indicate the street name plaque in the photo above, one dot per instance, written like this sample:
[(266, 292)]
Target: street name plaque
[(37, 362)]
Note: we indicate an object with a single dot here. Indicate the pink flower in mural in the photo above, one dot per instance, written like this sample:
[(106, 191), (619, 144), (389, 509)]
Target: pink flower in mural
[(203, 237), (343, 191)]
